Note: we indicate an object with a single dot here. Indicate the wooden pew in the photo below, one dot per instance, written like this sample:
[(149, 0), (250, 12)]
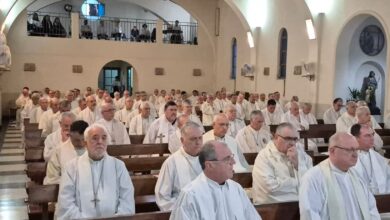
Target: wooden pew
[(250, 158), (137, 149), (34, 154), (279, 211), (318, 131), (33, 138), (208, 128), (383, 132), (39, 197), (136, 139), (36, 171), (144, 164), (244, 179)]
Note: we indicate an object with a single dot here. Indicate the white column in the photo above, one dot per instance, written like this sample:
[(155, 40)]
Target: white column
[(75, 25), (159, 34)]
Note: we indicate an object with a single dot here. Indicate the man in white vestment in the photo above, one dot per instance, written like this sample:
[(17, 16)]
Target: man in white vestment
[(144, 96), (194, 97), (123, 114), (187, 112), (47, 115), (60, 136), (69, 96), (279, 167), (218, 133), (294, 117), (174, 143), (91, 113), (95, 184), (254, 137), (117, 101), (162, 128), (347, 119), (36, 114), (294, 98), (53, 123), (364, 117), (30, 109), (154, 98), (82, 105), (218, 103), (262, 103), (372, 167), (140, 124), (271, 116), (180, 168), (166, 99), (72, 148), (208, 111), (116, 129), (331, 191), (99, 97), (251, 106), (279, 107), (333, 113), (311, 119), (20, 102), (235, 124), (241, 107), (213, 195)]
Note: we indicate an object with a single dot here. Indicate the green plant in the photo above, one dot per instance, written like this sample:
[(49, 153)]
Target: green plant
[(354, 94)]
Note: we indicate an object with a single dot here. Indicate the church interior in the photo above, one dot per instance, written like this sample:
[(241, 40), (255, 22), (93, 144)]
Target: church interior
[(316, 50)]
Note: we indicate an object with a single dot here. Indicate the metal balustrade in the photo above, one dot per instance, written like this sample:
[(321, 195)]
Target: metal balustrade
[(49, 24)]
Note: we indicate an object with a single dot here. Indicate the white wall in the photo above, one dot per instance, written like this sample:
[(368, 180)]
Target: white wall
[(54, 59)]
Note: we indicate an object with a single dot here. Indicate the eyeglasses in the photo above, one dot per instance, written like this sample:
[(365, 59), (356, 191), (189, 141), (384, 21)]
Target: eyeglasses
[(289, 139), (349, 150), (226, 160)]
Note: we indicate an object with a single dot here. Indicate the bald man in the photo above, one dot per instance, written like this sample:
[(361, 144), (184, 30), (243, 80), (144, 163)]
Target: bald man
[(347, 119), (116, 130), (213, 195), (91, 113), (331, 191), (219, 133)]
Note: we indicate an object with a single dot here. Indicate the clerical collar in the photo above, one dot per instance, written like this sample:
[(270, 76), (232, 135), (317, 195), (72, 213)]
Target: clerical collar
[(253, 130), (185, 154), (212, 183), (96, 161), (337, 170), (219, 138)]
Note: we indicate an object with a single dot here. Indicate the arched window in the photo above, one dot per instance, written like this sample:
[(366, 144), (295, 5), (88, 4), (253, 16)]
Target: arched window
[(283, 39), (233, 72)]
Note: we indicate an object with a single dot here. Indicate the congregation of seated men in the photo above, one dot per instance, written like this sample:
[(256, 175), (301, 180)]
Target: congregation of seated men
[(195, 181)]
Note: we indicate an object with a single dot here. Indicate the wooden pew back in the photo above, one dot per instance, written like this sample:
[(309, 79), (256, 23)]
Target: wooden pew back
[(34, 154), (137, 149), (136, 139), (36, 171), (143, 164)]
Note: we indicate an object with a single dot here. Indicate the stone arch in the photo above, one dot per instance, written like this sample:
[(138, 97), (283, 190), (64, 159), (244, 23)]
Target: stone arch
[(352, 63)]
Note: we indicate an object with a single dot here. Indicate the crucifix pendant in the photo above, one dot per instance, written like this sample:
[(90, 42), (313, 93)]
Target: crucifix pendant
[(161, 136), (95, 200)]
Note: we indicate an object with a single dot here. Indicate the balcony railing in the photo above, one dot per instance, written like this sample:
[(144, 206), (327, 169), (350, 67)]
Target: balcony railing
[(182, 33), (48, 24), (108, 28), (120, 29)]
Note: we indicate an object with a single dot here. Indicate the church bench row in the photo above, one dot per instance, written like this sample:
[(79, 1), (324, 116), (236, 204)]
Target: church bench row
[(317, 157), (276, 211)]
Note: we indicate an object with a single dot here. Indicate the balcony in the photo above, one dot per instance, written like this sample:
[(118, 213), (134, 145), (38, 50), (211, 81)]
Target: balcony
[(111, 29)]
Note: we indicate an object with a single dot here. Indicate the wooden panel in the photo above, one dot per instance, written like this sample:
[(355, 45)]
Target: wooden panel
[(137, 139), (144, 163), (144, 184), (279, 211), (250, 158), (137, 149), (36, 171), (244, 179), (34, 154)]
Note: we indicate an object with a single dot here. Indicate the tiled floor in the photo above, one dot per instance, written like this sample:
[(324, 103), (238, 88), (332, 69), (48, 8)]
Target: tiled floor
[(12, 177)]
